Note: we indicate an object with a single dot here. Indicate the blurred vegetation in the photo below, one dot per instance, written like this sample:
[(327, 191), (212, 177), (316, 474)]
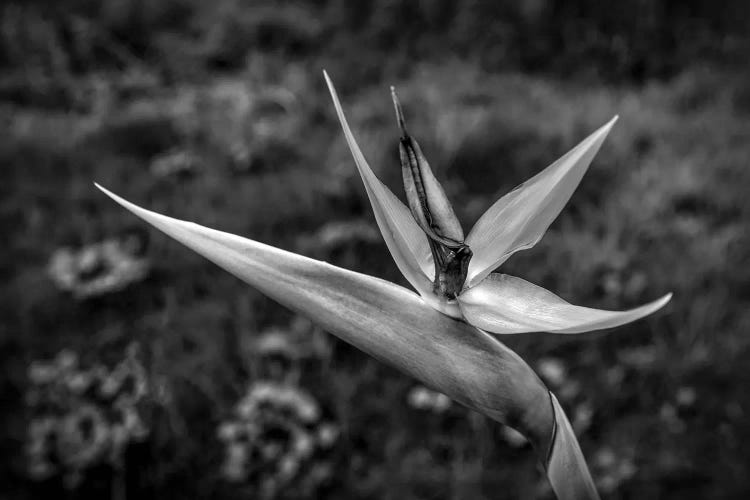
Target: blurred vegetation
[(629, 41), (216, 112)]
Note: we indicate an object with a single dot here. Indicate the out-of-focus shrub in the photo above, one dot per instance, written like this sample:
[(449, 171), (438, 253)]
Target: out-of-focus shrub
[(100, 268), (82, 418), (632, 40), (278, 443)]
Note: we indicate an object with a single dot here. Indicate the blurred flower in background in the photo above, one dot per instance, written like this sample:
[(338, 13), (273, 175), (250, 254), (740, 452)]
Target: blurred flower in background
[(278, 442), (100, 268), (422, 398), (613, 468), (281, 353), (177, 162), (81, 418), (253, 123)]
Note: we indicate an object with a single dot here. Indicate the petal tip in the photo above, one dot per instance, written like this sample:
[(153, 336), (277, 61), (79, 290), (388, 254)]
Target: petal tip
[(147, 215), (652, 307), (107, 192), (604, 130), (101, 188), (331, 88), (663, 301)]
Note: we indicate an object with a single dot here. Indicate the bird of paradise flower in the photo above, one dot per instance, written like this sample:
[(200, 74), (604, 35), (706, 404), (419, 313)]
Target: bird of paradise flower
[(440, 335)]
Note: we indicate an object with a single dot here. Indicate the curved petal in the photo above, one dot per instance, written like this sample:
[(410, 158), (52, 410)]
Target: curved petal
[(519, 219), (505, 304), (384, 320), (406, 241)]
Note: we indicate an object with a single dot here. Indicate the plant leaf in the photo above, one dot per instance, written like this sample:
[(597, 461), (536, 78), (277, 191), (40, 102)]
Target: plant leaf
[(395, 326), (384, 320), (406, 241), (519, 219), (506, 304), (566, 468)]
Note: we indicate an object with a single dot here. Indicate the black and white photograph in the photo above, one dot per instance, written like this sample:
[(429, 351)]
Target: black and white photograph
[(376, 250)]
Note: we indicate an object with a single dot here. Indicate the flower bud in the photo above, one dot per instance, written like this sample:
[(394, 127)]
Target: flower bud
[(433, 213)]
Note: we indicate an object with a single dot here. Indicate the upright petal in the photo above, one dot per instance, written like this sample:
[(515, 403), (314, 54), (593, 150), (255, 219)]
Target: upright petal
[(519, 219), (406, 241), (505, 304)]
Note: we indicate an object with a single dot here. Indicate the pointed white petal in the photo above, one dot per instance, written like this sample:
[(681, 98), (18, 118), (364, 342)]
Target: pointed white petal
[(506, 304), (519, 219), (406, 241), (566, 469), (384, 320)]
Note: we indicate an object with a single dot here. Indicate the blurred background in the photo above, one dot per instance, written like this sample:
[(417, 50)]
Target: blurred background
[(133, 368)]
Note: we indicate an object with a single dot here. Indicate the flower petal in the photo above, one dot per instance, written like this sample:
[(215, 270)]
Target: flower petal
[(384, 320), (406, 241), (505, 304), (519, 219), (566, 468)]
